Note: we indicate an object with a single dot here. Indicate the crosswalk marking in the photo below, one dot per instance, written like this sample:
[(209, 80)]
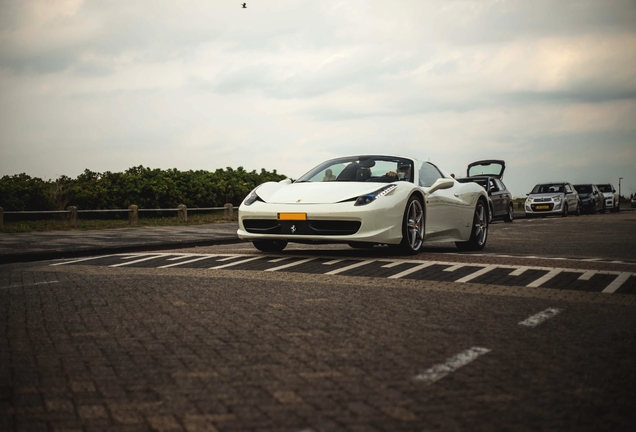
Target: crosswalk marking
[(476, 274), (138, 261), (620, 280), (352, 266), (412, 270), (234, 263), (284, 266), (187, 262), (543, 279), (588, 275)]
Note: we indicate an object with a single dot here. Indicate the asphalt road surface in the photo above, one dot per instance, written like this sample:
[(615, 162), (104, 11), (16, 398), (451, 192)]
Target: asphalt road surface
[(538, 332)]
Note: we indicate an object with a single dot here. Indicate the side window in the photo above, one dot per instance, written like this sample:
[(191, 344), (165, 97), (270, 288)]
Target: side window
[(428, 174), (500, 184), (568, 188)]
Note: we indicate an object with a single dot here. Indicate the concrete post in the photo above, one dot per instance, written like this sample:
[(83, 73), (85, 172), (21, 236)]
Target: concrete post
[(1, 219), (133, 214), (73, 216), (228, 213), (183, 213)]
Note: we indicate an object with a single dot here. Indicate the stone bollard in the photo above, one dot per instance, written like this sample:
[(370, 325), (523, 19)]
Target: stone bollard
[(1, 219), (133, 214), (73, 216), (183, 213), (228, 213)]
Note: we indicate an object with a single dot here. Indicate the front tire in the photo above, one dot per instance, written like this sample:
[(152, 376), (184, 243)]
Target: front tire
[(412, 226), (565, 210), (269, 245), (511, 214), (479, 233), (578, 209)]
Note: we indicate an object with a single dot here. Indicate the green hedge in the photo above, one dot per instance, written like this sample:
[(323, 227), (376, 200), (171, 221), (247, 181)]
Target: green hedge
[(146, 187)]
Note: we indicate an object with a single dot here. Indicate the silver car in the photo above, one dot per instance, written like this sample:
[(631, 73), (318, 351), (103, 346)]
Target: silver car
[(548, 199), (612, 201)]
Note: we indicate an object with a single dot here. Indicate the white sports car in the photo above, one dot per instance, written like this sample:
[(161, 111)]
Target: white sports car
[(365, 201)]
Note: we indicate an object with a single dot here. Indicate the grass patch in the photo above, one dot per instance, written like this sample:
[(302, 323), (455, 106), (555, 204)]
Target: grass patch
[(61, 224)]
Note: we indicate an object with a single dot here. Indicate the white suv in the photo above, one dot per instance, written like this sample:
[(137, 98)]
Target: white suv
[(612, 200), (553, 199)]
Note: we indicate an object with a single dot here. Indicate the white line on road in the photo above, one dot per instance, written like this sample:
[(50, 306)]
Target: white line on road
[(235, 263), (455, 267), (80, 260), (284, 266), (412, 270), (139, 260), (588, 275), (229, 257), (392, 264), (179, 257), (187, 262), (31, 284), (349, 267), (546, 277), (476, 274), (519, 271), (333, 262), (452, 364), (620, 280), (537, 319), (275, 260)]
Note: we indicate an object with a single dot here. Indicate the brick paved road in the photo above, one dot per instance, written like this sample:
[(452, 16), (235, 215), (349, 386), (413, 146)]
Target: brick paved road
[(96, 348)]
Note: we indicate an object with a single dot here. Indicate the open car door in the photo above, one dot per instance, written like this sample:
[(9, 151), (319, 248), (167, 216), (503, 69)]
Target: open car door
[(490, 167)]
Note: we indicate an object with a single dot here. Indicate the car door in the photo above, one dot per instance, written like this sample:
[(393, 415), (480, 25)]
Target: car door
[(506, 196), (443, 207), (496, 196), (571, 197)]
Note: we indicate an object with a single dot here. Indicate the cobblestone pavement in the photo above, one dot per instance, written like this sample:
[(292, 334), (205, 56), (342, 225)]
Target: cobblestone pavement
[(115, 348)]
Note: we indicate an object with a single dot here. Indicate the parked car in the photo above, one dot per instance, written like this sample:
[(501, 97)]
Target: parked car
[(547, 199), (374, 199), (612, 200), (592, 200), (489, 175), (633, 200)]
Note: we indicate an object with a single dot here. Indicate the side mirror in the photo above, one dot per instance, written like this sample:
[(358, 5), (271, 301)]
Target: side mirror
[(442, 183), (285, 181)]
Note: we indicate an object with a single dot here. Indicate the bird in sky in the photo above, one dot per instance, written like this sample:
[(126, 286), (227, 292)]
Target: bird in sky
[(244, 5)]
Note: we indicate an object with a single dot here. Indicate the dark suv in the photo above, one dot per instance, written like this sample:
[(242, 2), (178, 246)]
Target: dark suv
[(592, 199)]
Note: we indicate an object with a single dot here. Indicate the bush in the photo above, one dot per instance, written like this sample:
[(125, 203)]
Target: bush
[(146, 187)]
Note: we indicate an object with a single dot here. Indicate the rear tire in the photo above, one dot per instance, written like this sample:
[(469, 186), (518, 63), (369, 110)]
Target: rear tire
[(510, 216), (269, 245), (479, 233)]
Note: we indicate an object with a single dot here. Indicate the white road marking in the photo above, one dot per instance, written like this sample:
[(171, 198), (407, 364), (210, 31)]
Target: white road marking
[(412, 270), (588, 275), (180, 257), (349, 267), (476, 274), (455, 267), (284, 266), (229, 257), (620, 280), (537, 319), (546, 277), (333, 262), (275, 260), (31, 284), (80, 260), (452, 364), (187, 262), (519, 271), (234, 263), (393, 264), (139, 260)]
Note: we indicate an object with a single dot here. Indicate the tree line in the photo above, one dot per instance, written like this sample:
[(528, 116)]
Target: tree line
[(145, 187)]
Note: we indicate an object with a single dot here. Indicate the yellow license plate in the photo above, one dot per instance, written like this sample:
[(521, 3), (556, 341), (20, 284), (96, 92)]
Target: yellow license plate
[(543, 207), (292, 216)]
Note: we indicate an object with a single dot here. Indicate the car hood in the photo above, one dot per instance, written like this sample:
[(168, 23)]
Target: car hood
[(314, 192), (490, 167), (608, 194), (546, 195)]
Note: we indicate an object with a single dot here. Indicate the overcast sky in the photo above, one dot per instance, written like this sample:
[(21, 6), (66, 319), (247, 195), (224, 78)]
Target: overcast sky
[(549, 86)]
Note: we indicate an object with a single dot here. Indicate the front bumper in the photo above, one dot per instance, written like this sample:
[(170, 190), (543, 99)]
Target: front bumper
[(325, 223), (543, 208)]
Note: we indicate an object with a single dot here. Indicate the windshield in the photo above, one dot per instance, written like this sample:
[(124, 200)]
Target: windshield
[(382, 169), (486, 168), (583, 189), (548, 188), (605, 188)]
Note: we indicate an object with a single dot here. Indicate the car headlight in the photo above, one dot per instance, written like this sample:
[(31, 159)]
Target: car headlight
[(251, 198), (370, 197), (556, 199)]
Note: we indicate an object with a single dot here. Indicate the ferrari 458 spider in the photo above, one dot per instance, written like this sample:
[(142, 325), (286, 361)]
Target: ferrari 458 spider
[(365, 201)]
